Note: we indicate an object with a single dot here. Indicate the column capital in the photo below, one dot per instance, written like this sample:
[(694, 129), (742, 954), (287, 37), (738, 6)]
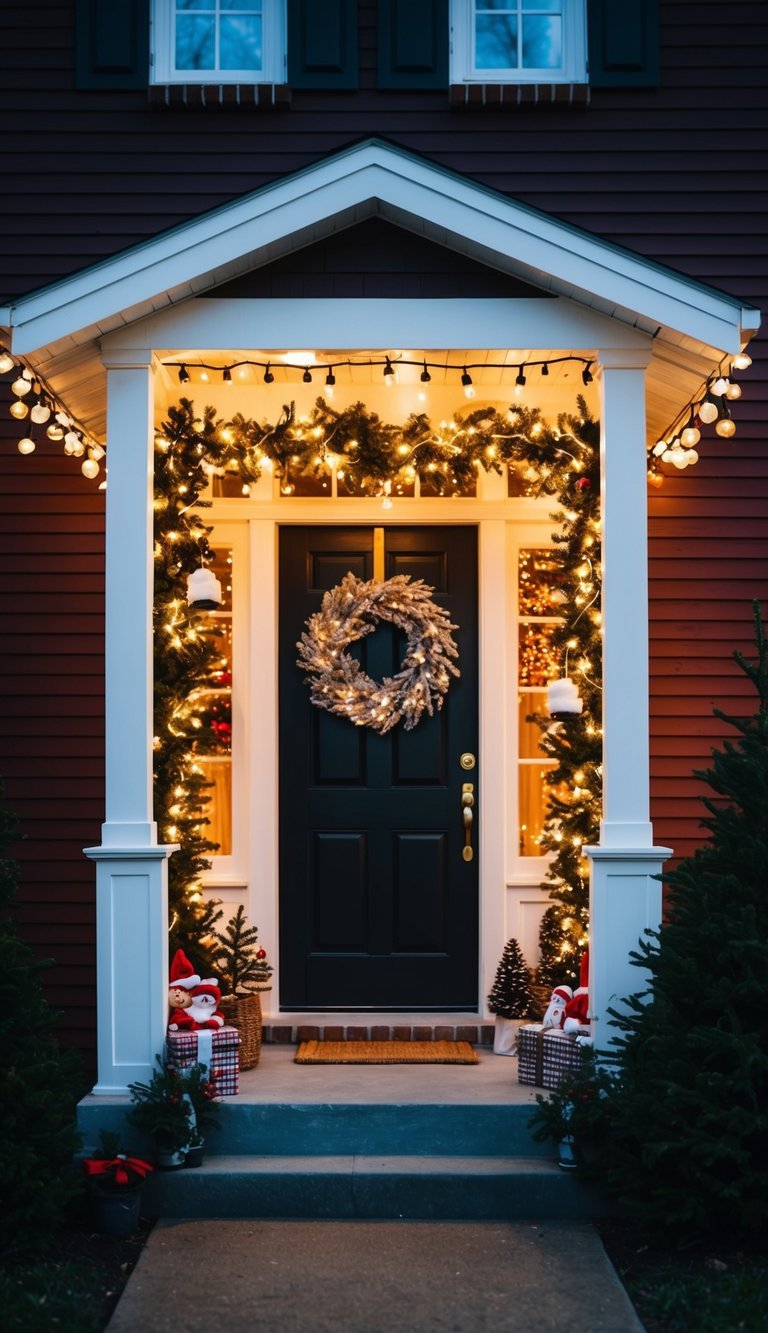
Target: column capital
[(128, 358), (623, 358)]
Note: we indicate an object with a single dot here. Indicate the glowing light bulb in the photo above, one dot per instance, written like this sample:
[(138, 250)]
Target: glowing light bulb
[(40, 412), (26, 446), (18, 409), (89, 468), (21, 386)]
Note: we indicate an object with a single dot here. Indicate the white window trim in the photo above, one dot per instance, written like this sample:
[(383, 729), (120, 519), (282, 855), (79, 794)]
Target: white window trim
[(162, 64), (573, 69)]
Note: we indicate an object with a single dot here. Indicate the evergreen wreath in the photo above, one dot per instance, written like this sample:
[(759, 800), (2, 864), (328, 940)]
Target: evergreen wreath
[(352, 610)]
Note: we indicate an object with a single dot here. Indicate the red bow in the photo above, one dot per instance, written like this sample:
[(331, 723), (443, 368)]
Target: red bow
[(123, 1169)]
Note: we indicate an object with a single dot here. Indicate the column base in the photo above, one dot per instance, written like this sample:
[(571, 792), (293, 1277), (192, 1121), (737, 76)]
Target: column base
[(624, 901)]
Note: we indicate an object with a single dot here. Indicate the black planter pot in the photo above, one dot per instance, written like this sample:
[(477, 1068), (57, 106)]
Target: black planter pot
[(116, 1213)]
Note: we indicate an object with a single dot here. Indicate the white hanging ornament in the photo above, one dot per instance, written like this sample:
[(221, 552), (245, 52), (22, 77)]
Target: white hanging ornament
[(563, 699), (203, 590)]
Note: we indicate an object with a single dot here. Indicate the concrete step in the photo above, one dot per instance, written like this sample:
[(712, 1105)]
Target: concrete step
[(350, 1186), (311, 1129), (370, 1129)]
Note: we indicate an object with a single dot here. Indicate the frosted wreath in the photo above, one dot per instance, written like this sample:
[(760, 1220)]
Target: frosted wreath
[(355, 608)]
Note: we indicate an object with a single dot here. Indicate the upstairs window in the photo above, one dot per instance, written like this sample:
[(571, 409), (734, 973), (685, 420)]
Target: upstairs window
[(518, 41), (218, 41)]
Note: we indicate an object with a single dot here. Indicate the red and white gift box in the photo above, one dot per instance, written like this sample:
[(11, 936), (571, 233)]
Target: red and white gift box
[(545, 1057), (218, 1051)]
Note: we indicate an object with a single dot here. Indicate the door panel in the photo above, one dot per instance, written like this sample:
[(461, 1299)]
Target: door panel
[(378, 907)]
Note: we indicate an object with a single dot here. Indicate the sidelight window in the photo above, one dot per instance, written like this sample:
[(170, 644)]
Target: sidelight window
[(539, 583)]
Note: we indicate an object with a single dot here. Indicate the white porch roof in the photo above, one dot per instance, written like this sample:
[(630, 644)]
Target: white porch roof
[(58, 329)]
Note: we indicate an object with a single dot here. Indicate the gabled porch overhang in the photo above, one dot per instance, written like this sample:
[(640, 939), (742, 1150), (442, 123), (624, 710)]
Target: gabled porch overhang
[(654, 336)]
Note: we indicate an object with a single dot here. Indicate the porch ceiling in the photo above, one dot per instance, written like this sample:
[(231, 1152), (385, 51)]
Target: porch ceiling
[(58, 330)]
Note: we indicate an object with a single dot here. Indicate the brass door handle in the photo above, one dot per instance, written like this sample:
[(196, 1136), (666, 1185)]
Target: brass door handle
[(467, 802)]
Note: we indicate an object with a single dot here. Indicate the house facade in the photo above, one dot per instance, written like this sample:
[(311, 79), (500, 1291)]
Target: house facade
[(301, 191)]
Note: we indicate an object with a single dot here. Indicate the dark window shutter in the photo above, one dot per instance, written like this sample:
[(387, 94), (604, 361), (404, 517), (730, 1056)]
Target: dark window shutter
[(112, 44), (623, 40), (322, 43), (413, 43)]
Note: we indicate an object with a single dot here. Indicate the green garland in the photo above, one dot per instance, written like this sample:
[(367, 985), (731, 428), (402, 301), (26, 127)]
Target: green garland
[(366, 454)]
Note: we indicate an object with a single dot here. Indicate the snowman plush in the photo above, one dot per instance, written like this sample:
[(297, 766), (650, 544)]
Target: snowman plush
[(202, 1010), (555, 1015)]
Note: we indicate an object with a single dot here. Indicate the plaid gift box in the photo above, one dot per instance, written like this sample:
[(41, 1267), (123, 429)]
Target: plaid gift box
[(544, 1058), (223, 1063)]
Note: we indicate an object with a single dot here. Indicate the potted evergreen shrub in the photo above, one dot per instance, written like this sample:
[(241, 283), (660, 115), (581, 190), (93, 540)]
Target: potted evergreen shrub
[(244, 972), (174, 1108), (114, 1186), (510, 998)]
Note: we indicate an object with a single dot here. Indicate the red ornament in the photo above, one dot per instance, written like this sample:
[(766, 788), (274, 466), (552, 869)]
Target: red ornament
[(583, 484)]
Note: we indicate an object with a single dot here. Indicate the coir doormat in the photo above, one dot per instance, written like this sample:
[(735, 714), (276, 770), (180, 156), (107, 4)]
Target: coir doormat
[(385, 1053)]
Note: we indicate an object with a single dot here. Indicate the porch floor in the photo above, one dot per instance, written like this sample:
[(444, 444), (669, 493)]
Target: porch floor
[(277, 1078)]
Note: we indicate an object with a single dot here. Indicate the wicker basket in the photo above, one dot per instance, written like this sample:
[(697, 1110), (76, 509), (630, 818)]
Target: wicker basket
[(244, 1013)]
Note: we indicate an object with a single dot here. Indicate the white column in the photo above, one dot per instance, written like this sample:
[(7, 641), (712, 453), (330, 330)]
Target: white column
[(624, 511), (131, 869), (129, 592), (625, 895)]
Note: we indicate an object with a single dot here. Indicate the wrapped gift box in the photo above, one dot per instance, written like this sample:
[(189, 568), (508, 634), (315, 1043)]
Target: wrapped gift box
[(544, 1058), (219, 1051)]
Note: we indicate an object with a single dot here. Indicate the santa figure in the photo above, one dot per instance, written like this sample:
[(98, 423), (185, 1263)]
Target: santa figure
[(555, 1014), (183, 981), (576, 1016), (202, 1010)]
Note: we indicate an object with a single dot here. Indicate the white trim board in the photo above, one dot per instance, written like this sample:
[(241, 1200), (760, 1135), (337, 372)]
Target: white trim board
[(371, 179)]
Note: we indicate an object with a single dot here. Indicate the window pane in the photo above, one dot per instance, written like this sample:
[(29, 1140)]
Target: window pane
[(541, 579), (530, 701), (542, 42), (539, 663), (532, 806), (208, 5), (241, 44), (496, 41), (195, 42), (544, 6), (219, 809)]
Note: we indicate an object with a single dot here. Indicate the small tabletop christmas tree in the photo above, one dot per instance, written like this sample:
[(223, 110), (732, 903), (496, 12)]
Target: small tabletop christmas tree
[(244, 971), (240, 962), (511, 995)]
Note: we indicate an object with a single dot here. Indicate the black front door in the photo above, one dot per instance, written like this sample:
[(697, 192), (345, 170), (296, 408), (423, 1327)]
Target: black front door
[(378, 905)]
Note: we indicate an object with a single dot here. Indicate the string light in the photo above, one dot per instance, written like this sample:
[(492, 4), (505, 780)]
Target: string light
[(708, 407), (41, 410), (390, 365)]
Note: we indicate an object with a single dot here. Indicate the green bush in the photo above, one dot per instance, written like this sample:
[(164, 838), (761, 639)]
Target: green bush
[(39, 1085), (689, 1141)]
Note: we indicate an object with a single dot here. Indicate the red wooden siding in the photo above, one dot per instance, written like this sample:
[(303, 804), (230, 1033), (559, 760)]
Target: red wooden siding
[(52, 710), (675, 173)]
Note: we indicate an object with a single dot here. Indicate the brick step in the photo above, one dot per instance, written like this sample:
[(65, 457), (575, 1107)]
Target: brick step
[(450, 1188), (290, 1029)]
